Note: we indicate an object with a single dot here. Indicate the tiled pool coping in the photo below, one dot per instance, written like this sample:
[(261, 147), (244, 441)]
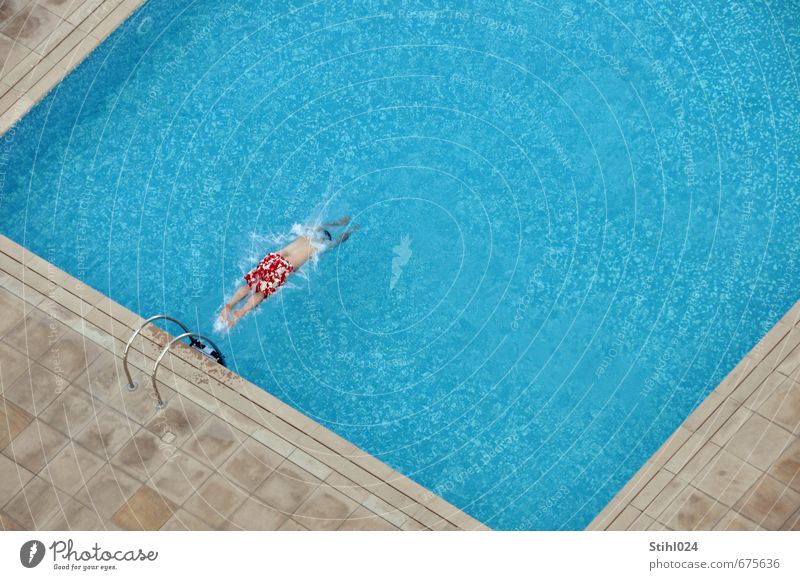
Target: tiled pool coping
[(733, 464)]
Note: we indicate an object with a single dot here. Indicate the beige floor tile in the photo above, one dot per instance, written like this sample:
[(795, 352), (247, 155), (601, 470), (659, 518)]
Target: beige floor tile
[(214, 442), (35, 389), (775, 337), (182, 418), (790, 363), (31, 297), (180, 477), (81, 290), (783, 406), (112, 21), (626, 517), (31, 25), (700, 461), (309, 463), (759, 442), (363, 520), (793, 523), (89, 14), (54, 38), (291, 526), (787, 467), (718, 417), (104, 379), (274, 441), (106, 433), (107, 491), (703, 411), (71, 411), (183, 521), (346, 486), (688, 450), (142, 456), (769, 503), (73, 516), (11, 53), (325, 509), (651, 489), (35, 446), (736, 376), (72, 468), (412, 525), (13, 309), (215, 501), (389, 513), (12, 364), (287, 487), (641, 523), (253, 514), (726, 477), (8, 96), (250, 465), (764, 391), (35, 504), (139, 405), (145, 510), (734, 522), (35, 333), (13, 420), (751, 382), (70, 355), (16, 77), (62, 8), (657, 526), (13, 478), (786, 345), (665, 497), (49, 304), (692, 510), (738, 417), (7, 524)]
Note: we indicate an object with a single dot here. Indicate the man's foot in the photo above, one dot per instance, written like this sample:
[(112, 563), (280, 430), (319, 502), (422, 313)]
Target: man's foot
[(226, 310), (236, 316)]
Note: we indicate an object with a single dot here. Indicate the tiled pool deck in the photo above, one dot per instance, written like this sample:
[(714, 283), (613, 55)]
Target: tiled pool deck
[(80, 453)]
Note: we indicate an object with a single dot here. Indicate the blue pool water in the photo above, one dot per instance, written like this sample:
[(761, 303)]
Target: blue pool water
[(576, 219)]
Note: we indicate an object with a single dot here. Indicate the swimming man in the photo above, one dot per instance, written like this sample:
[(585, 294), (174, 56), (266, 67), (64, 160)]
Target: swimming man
[(271, 273)]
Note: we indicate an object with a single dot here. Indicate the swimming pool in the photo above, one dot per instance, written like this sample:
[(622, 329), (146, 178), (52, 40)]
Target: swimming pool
[(575, 219)]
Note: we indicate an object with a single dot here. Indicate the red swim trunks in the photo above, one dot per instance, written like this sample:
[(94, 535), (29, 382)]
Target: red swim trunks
[(269, 275)]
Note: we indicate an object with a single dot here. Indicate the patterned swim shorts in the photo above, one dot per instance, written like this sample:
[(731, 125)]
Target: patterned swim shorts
[(269, 275)]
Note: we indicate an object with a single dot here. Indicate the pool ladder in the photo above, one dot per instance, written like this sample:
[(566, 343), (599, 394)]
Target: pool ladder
[(195, 341)]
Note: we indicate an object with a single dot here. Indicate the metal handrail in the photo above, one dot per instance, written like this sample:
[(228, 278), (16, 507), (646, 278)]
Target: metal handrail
[(187, 334), (131, 384)]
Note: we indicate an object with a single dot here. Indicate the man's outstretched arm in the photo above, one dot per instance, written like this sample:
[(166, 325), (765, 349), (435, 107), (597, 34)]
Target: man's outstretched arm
[(345, 236)]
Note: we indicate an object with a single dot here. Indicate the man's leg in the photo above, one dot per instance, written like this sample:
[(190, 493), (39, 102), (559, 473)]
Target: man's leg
[(252, 302), (240, 293)]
